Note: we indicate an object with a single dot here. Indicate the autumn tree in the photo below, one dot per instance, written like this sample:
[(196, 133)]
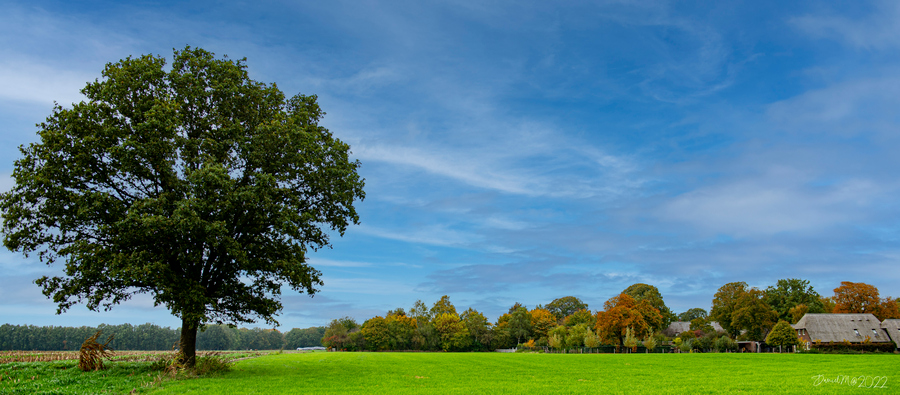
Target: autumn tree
[(786, 294), (501, 332), (622, 312), (442, 306), (863, 298), (541, 322), (565, 306), (191, 183), (452, 331), (401, 328), (889, 309), (651, 294), (376, 332)]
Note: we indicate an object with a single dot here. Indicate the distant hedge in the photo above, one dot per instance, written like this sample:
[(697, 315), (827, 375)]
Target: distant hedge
[(843, 347)]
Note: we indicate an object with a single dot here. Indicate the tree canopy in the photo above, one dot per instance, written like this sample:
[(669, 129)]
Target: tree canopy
[(791, 292), (196, 185), (565, 306), (692, 314), (782, 334), (725, 303), (641, 291), (853, 297), (624, 313)]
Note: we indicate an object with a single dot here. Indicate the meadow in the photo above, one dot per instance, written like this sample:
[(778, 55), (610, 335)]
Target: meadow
[(497, 373), (466, 373)]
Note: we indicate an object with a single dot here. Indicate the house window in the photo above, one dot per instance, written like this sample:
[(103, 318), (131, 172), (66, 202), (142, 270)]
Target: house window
[(875, 332), (857, 332)]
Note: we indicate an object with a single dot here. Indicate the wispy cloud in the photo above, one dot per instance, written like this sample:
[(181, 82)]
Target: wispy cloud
[(858, 106), (770, 206), (39, 83), (876, 31)]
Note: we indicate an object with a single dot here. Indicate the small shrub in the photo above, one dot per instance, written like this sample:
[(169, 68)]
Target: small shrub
[(686, 345)]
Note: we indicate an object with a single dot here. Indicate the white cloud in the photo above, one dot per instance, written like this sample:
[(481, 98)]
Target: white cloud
[(848, 108), (438, 235), (563, 168), (33, 82), (877, 31), (770, 205), (317, 262), (368, 286)]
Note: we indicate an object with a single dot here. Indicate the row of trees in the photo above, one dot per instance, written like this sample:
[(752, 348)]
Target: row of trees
[(565, 323), (637, 316), (153, 337)]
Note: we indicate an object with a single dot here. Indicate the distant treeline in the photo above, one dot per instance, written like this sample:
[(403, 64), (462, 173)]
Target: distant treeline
[(152, 337)]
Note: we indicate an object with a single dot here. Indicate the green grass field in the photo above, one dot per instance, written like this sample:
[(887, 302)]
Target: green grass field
[(467, 373)]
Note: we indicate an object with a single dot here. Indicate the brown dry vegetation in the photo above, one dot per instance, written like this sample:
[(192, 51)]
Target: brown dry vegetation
[(130, 356)]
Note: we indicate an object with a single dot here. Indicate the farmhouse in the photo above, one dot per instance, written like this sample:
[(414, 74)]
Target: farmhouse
[(675, 328), (835, 328), (892, 327)]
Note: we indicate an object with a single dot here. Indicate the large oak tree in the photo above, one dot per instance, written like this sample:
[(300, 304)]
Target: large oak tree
[(194, 184)]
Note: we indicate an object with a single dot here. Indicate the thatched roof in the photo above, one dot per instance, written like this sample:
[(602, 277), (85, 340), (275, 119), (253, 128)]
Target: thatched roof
[(840, 327), (892, 327), (676, 327)]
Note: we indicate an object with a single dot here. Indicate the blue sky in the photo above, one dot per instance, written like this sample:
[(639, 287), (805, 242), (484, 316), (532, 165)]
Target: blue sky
[(524, 151)]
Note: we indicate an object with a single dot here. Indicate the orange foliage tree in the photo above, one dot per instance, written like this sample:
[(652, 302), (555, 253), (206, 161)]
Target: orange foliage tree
[(541, 323), (853, 297), (856, 298), (620, 313)]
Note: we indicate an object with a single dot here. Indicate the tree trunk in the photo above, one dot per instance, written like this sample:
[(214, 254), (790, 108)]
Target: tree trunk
[(188, 343)]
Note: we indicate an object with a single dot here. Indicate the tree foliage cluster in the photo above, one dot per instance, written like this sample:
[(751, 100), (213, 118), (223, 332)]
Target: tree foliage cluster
[(639, 309), (150, 337), (191, 183)]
